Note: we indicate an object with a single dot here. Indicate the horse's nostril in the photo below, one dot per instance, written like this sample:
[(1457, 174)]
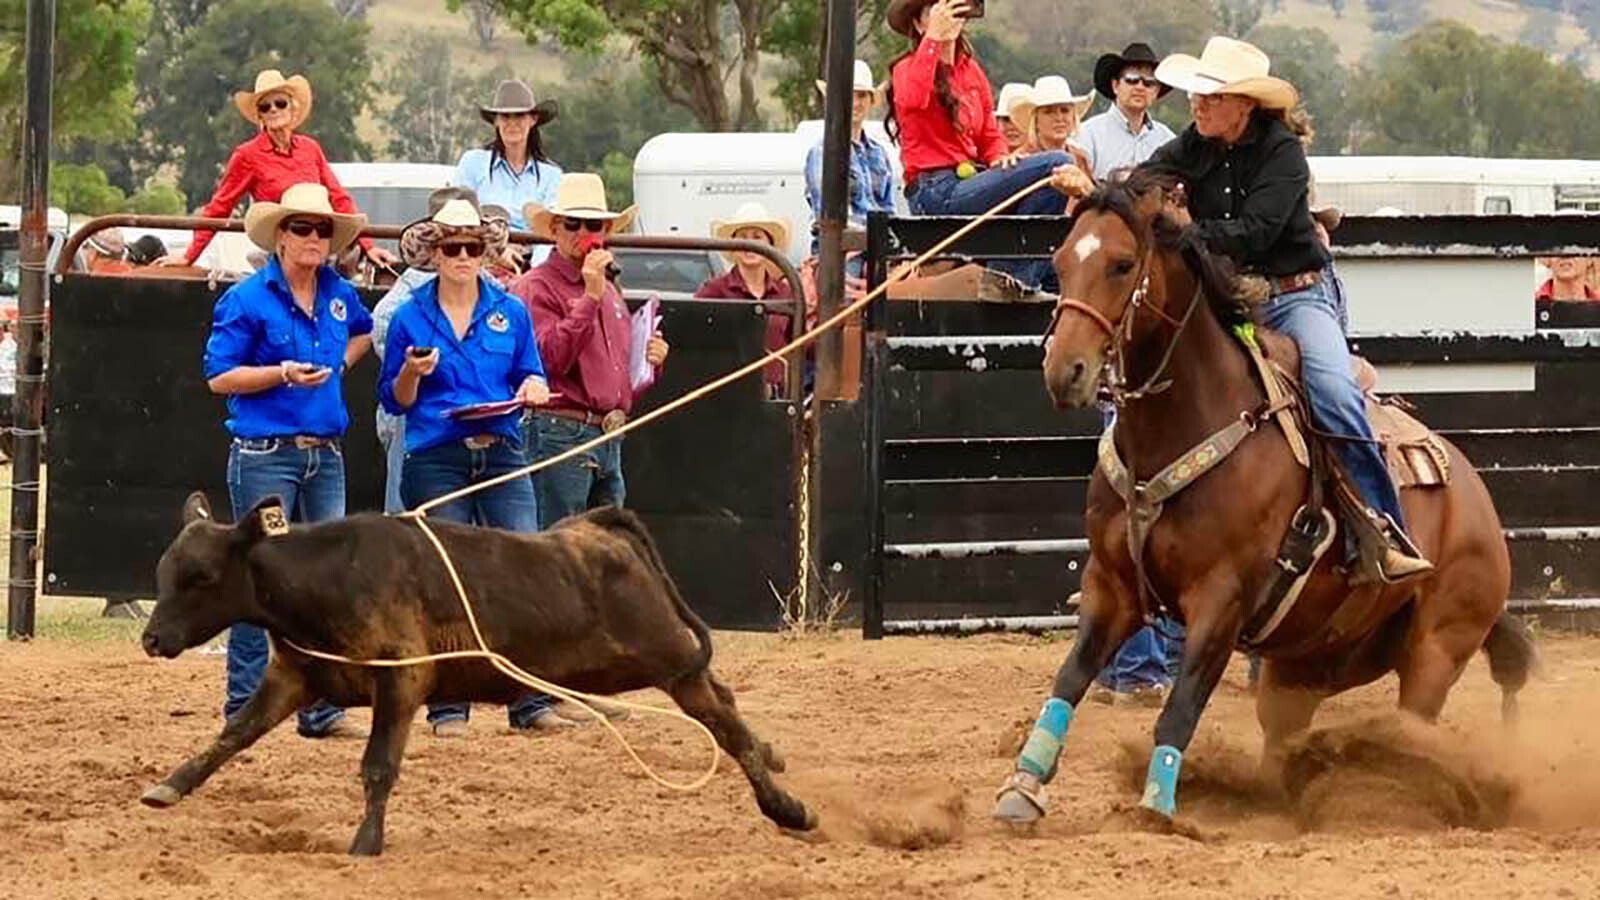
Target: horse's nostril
[(1078, 371)]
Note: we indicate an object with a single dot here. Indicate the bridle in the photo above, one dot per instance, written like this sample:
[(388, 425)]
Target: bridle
[(1114, 371)]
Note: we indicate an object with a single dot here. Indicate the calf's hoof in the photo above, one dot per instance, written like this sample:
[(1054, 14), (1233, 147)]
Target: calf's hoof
[(366, 844), (161, 796), (1020, 800)]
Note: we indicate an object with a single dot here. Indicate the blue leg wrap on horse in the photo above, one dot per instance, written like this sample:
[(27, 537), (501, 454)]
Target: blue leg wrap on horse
[(1161, 784), (1044, 744)]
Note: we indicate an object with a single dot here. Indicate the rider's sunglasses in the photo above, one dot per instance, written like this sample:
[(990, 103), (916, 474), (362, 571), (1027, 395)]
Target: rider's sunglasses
[(1140, 80), (473, 249), (266, 106), (593, 225), (304, 228)]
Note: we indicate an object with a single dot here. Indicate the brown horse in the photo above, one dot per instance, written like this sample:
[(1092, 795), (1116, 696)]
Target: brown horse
[(1144, 303)]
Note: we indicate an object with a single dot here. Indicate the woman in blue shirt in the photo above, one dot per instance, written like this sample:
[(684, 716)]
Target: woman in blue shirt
[(512, 170), (279, 345), (463, 341)]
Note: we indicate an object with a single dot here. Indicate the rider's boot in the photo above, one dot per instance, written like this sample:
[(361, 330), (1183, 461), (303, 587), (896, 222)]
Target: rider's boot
[(1401, 560)]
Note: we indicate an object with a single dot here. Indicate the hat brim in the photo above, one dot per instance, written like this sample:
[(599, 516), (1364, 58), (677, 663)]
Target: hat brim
[(540, 219), (1187, 73), (261, 223), (902, 14), (875, 91), (296, 86), (1022, 111), (1109, 66), (776, 230), (418, 240), (544, 112)]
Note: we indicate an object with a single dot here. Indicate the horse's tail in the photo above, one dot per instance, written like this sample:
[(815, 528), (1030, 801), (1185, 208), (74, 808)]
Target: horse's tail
[(1512, 658)]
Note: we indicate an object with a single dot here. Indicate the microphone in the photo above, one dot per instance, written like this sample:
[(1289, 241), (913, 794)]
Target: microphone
[(592, 242)]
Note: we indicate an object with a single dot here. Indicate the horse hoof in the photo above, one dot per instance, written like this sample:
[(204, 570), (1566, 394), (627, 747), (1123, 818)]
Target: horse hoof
[(161, 796), (1020, 801)]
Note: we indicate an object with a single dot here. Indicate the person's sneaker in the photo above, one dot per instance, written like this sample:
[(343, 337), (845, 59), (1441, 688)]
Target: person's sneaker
[(339, 728), (1150, 696), (450, 728), (1102, 695), (547, 721)]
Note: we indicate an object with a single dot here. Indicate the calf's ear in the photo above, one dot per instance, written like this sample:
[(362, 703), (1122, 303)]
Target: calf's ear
[(265, 519), (196, 507)]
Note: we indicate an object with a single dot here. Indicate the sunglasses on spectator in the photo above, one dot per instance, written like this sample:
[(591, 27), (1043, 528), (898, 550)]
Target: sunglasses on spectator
[(473, 249), (1140, 80), (593, 225), (304, 228), (266, 106)]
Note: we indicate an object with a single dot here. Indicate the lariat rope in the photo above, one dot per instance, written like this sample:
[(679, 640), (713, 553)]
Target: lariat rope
[(578, 698)]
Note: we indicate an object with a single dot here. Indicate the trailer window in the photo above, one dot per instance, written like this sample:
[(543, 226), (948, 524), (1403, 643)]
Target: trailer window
[(1496, 206)]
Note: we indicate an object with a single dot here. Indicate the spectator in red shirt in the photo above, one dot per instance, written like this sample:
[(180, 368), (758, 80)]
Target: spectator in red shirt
[(267, 164), (941, 110), (754, 277), (586, 343), (1568, 280)]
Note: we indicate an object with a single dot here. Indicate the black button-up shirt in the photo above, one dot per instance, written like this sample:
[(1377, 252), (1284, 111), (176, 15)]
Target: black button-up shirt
[(1248, 199)]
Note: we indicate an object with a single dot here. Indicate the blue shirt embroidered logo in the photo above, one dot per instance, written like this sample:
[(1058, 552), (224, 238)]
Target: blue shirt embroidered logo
[(338, 310)]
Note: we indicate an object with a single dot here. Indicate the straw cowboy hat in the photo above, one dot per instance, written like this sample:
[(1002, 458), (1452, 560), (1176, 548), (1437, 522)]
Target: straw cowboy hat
[(580, 195), (109, 242), (271, 81), (456, 217), (1109, 66), (513, 96), (1051, 90), (1228, 66), (860, 83), (261, 221), (752, 215), (1010, 96)]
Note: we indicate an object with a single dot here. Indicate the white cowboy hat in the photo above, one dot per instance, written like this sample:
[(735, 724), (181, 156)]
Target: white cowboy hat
[(1010, 95), (1228, 66), (753, 215), (456, 217), (580, 195), (1051, 90), (860, 83), (271, 81), (261, 221)]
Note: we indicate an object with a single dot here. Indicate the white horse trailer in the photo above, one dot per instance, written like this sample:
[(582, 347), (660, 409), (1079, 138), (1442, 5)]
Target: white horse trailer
[(1456, 185)]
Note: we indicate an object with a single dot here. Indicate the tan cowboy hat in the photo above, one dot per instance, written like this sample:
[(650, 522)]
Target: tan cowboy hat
[(513, 96), (271, 81), (860, 83), (1010, 95), (1051, 90), (1228, 66), (261, 221), (580, 195), (753, 215), (456, 217)]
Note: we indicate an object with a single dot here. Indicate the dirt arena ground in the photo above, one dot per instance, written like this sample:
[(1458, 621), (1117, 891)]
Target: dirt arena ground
[(898, 744)]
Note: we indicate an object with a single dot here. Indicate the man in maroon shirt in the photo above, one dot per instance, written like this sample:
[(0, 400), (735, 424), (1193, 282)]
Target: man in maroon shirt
[(585, 340)]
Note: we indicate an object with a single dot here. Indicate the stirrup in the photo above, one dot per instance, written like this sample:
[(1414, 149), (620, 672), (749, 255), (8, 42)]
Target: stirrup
[(1401, 559)]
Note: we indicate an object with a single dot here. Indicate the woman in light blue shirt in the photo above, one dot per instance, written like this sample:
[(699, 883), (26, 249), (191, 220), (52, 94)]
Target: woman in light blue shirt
[(512, 170)]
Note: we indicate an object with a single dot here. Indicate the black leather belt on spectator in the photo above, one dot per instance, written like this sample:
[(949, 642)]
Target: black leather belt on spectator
[(607, 422), (1288, 284)]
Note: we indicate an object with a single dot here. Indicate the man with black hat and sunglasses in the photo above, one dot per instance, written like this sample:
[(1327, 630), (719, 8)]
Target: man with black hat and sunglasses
[(1124, 135)]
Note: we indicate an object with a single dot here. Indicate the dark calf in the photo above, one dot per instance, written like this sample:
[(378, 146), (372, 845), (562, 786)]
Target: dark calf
[(587, 605)]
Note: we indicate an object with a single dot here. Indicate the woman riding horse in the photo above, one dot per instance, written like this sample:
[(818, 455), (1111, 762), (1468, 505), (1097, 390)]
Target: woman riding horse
[(1189, 506)]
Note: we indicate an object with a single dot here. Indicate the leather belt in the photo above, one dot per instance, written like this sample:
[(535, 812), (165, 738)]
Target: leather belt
[(481, 441), (914, 186), (607, 422), (1288, 284), (310, 441)]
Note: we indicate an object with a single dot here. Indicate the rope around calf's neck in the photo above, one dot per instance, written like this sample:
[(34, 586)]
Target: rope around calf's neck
[(510, 669)]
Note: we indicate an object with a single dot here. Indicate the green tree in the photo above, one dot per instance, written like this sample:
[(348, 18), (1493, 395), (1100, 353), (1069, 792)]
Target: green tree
[(1082, 26), (689, 44), (798, 34), (157, 200), (192, 116), (1237, 18), (435, 111), (84, 190), (1309, 60), (92, 80)]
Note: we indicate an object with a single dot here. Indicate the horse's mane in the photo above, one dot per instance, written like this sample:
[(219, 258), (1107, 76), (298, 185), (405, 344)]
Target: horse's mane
[(1216, 273)]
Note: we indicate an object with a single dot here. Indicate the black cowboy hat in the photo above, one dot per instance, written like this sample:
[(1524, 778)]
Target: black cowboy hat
[(1108, 67)]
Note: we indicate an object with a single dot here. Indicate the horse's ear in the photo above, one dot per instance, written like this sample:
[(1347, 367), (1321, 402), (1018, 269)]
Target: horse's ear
[(196, 507)]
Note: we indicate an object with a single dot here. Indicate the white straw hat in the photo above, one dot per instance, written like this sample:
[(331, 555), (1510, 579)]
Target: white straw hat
[(262, 219), (271, 81), (1228, 66), (861, 82), (1051, 90), (753, 215), (580, 195), (1010, 95)]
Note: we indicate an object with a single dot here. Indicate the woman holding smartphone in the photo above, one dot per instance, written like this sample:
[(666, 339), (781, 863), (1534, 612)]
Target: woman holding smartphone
[(280, 343)]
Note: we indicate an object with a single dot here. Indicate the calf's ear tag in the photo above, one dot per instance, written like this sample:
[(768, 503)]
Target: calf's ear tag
[(273, 524)]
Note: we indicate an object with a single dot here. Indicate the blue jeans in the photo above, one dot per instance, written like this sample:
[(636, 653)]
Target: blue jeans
[(581, 483), (1152, 656), (392, 436), (1311, 317), (448, 468), (311, 485), (944, 194)]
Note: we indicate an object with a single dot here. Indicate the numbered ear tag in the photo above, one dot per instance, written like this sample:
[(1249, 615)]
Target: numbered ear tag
[(273, 522)]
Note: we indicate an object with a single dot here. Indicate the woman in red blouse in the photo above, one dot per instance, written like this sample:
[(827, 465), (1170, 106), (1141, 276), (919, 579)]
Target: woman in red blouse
[(941, 110), (267, 164)]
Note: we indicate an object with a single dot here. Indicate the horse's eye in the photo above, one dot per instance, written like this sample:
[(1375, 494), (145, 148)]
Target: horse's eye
[(1121, 267)]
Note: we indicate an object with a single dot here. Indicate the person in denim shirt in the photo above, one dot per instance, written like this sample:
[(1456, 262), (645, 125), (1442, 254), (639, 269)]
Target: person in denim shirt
[(280, 343), (461, 341), (871, 175)]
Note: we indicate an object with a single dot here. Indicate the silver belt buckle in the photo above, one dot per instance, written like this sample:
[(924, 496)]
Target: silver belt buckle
[(480, 441)]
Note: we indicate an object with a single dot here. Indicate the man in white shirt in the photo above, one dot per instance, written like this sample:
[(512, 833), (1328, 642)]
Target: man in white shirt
[(1124, 135)]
